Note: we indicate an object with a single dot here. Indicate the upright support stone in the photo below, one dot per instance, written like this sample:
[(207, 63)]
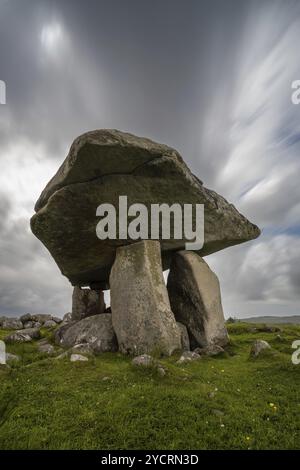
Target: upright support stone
[(195, 299), (86, 302), (141, 313)]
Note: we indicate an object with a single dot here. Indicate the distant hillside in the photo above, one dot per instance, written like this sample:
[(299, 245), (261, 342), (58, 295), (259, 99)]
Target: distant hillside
[(295, 319)]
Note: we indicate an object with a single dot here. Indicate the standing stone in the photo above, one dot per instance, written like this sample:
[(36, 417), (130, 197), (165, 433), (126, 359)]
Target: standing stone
[(141, 312), (86, 303), (195, 298)]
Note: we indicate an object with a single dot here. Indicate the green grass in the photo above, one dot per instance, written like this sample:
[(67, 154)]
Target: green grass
[(106, 403)]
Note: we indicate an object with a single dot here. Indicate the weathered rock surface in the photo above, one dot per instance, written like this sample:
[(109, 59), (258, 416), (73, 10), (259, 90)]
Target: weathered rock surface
[(185, 340), (50, 324), (23, 336), (78, 357), (101, 166), (12, 324), (195, 299), (188, 356), (45, 347), (141, 313), (97, 331), (258, 347), (86, 303), (211, 350), (144, 360)]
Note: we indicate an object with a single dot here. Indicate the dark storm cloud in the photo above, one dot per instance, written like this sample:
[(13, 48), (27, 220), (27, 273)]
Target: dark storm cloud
[(210, 78)]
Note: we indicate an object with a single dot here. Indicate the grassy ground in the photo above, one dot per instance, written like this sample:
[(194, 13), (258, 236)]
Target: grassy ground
[(229, 402)]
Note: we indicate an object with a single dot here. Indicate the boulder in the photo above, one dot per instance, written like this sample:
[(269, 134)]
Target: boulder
[(141, 313), (86, 303), (211, 350), (12, 324), (97, 331), (259, 346), (45, 347), (101, 166), (195, 299), (29, 324), (144, 360), (23, 336), (57, 320), (41, 317), (67, 317), (185, 340), (25, 318)]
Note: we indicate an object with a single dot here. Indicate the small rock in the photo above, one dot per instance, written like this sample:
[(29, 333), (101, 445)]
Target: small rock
[(29, 324), (161, 371), (49, 324), (67, 317), (144, 360), (78, 357), (12, 358), (258, 346), (57, 320), (82, 348), (188, 356), (45, 348)]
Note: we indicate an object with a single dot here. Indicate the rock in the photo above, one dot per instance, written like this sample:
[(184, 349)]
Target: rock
[(29, 324), (143, 360), (57, 320), (41, 317), (23, 336), (211, 350), (26, 318), (50, 324), (258, 347), (46, 348), (141, 313), (82, 348), (97, 331), (86, 303), (188, 356), (37, 324), (195, 299), (101, 166), (185, 341), (161, 371), (67, 317), (12, 324), (12, 358), (78, 357)]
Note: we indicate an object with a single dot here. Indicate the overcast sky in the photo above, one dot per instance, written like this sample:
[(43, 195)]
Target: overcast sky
[(210, 78)]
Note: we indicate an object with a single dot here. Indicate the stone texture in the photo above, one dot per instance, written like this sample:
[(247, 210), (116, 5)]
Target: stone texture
[(185, 340), (195, 299), (77, 358), (50, 324), (101, 166), (144, 360), (45, 347), (188, 356), (41, 317), (141, 313), (86, 303), (23, 336), (258, 347), (211, 350), (97, 331), (12, 324)]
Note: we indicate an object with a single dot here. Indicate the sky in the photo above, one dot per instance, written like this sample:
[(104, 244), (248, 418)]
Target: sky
[(210, 78)]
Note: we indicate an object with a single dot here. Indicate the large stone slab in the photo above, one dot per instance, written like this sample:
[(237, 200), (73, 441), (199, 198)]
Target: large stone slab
[(105, 164), (97, 331), (195, 299), (141, 313), (86, 303)]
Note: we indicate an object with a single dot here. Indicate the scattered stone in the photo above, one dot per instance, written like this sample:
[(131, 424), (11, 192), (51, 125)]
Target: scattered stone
[(49, 324), (12, 358), (86, 303), (144, 360), (12, 324), (258, 347), (57, 320), (78, 357), (141, 313), (46, 348), (97, 331), (211, 350), (188, 356), (104, 164), (195, 298), (29, 324), (185, 341), (23, 336)]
